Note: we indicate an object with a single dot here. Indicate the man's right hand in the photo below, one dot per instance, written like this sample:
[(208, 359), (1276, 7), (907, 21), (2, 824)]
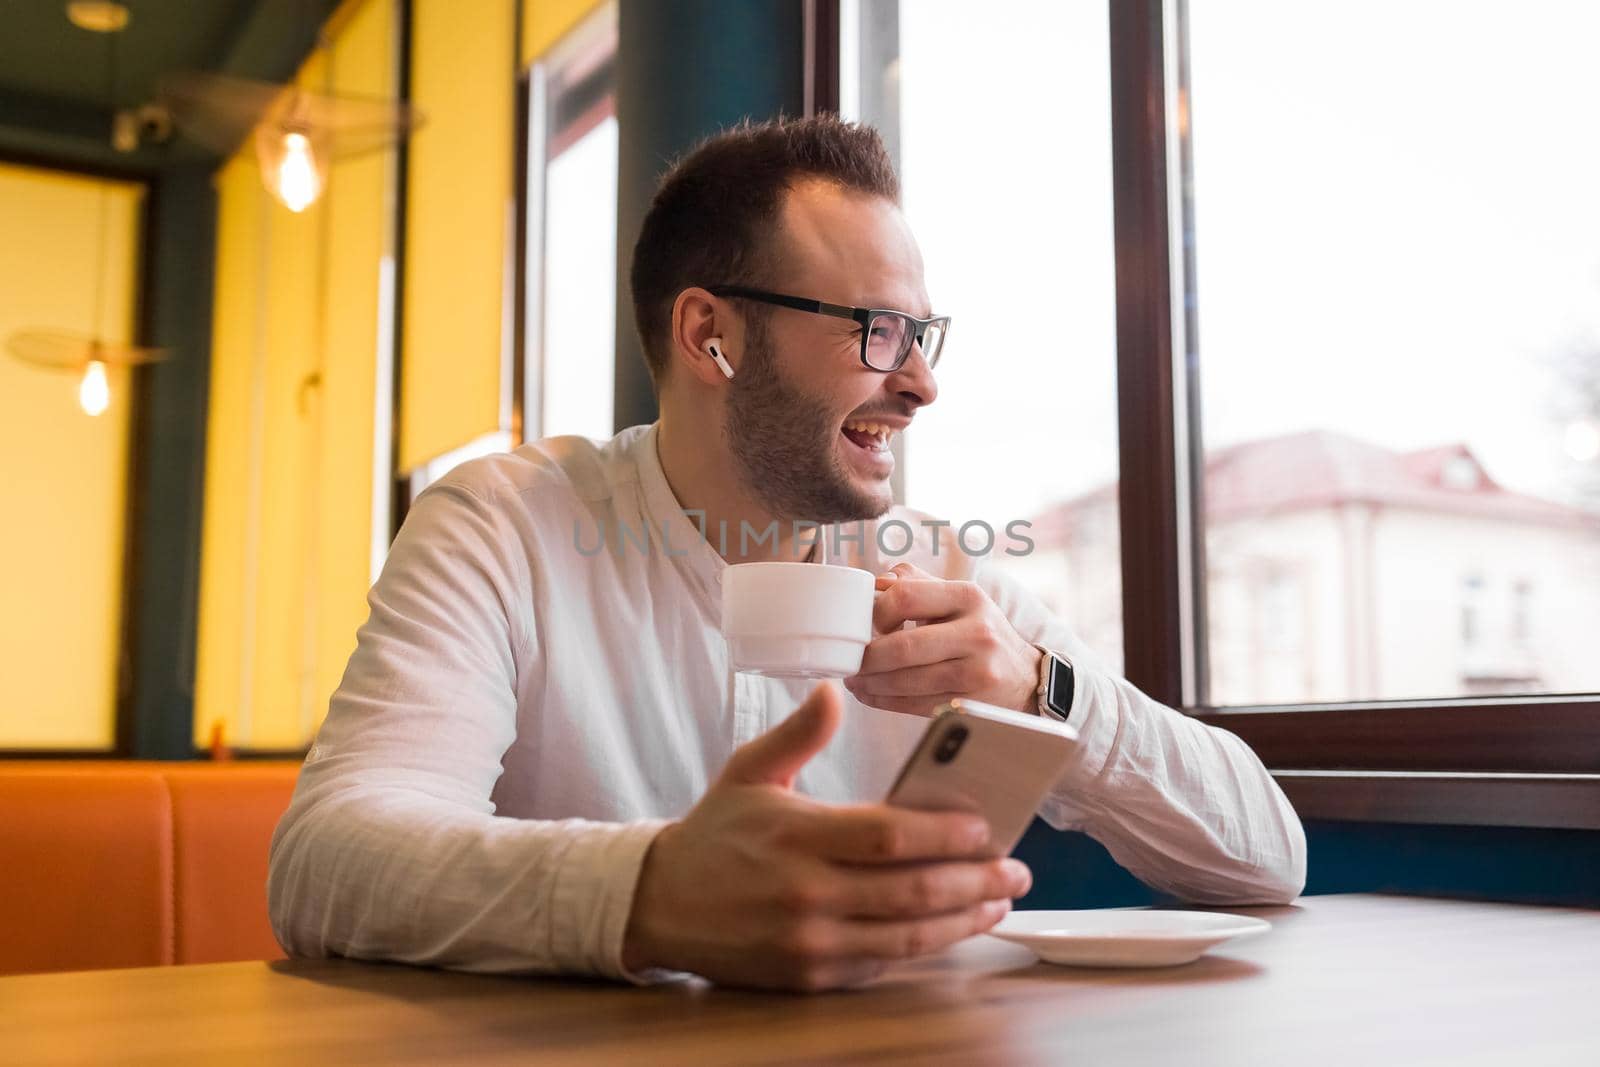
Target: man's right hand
[(760, 886)]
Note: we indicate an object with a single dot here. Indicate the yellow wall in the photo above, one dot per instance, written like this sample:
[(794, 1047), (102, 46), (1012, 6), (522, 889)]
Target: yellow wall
[(544, 22), (286, 554), (458, 224), (360, 215), (63, 473), (231, 467)]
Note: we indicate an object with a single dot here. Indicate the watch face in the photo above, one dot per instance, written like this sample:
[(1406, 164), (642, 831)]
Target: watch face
[(1059, 696)]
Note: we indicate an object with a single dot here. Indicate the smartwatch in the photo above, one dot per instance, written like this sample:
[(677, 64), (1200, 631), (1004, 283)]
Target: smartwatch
[(1057, 683)]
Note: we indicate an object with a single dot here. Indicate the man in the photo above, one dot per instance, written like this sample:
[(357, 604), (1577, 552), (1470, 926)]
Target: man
[(539, 759)]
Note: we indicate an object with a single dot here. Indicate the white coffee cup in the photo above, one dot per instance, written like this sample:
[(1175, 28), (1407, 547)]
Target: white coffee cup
[(797, 620)]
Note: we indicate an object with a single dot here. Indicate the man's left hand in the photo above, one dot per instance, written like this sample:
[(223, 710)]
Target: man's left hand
[(961, 646)]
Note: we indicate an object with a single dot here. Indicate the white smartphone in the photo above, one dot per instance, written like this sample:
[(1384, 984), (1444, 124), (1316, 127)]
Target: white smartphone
[(983, 759)]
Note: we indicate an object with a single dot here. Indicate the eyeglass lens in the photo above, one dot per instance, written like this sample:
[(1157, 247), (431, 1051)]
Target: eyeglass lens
[(889, 340), (932, 342)]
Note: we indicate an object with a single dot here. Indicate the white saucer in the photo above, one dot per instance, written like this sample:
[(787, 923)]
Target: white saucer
[(1117, 938)]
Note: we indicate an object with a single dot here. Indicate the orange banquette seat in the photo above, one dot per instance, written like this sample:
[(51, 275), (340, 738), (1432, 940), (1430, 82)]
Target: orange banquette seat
[(135, 864)]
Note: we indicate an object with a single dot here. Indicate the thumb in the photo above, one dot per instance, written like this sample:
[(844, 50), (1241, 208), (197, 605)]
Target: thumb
[(776, 756)]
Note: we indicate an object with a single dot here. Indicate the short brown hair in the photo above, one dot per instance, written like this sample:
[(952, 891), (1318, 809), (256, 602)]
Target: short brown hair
[(712, 218)]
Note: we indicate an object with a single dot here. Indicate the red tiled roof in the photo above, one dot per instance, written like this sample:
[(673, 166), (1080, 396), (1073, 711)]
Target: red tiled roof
[(1320, 469)]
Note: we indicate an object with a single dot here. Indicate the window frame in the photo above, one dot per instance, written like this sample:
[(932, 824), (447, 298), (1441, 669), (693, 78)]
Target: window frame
[(534, 155), (1527, 761), (1501, 761), (125, 719)]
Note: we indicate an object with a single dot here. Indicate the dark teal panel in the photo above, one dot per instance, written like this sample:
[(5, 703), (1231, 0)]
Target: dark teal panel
[(1472, 862), (167, 477), (1072, 870), (685, 69), (1482, 862), (54, 103)]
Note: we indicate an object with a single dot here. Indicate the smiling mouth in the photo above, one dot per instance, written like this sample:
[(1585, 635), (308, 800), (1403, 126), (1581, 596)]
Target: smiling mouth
[(867, 435)]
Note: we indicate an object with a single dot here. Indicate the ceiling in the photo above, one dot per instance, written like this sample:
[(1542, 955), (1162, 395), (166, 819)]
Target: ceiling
[(55, 77)]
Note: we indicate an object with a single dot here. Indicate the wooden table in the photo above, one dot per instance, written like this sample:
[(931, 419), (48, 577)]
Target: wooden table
[(1350, 980)]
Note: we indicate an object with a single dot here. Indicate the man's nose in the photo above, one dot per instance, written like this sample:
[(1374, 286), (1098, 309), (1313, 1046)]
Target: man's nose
[(914, 380)]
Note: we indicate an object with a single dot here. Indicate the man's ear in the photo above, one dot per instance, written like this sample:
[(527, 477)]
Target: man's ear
[(701, 323)]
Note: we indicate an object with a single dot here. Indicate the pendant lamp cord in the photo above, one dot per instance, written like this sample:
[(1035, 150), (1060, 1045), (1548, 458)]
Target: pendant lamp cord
[(99, 310)]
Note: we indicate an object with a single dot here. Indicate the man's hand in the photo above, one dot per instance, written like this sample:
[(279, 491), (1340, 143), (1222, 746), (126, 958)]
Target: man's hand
[(962, 646), (760, 886)]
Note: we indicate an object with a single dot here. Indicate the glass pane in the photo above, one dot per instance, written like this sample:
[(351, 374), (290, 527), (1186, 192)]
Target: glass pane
[(887, 337), (1025, 425), (573, 205), (580, 285), (932, 344), (1398, 273), (65, 470)]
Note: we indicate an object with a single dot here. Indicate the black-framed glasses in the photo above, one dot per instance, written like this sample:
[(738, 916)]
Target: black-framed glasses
[(886, 335)]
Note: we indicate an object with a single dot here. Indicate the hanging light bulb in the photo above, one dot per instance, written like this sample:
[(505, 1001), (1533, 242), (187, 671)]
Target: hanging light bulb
[(298, 181), (94, 392), (68, 350), (293, 166)]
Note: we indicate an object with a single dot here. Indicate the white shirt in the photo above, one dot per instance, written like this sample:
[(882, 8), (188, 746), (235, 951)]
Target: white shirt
[(523, 714)]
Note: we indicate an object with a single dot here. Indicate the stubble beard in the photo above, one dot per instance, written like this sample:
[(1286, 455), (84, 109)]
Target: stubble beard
[(782, 442)]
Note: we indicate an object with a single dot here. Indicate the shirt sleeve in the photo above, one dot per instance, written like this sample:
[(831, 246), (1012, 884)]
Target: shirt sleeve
[(1186, 807), (391, 848)]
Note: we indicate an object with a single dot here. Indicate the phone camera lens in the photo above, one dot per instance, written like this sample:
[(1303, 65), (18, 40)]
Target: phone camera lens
[(950, 744)]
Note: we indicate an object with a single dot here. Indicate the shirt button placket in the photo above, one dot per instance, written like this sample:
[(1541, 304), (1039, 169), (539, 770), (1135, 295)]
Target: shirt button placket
[(749, 708)]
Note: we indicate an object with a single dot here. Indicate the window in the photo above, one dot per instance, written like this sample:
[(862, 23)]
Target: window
[(1322, 324), (65, 472), (298, 440), (1521, 612), (1397, 261), (1026, 272), (572, 234), (1471, 606)]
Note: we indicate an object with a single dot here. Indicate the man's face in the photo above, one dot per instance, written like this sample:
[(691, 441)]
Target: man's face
[(802, 409)]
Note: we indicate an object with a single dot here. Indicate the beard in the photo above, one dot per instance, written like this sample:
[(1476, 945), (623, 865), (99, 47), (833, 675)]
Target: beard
[(784, 443)]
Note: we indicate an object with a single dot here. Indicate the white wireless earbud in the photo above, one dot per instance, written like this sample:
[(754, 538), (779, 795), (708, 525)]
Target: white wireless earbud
[(713, 345)]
